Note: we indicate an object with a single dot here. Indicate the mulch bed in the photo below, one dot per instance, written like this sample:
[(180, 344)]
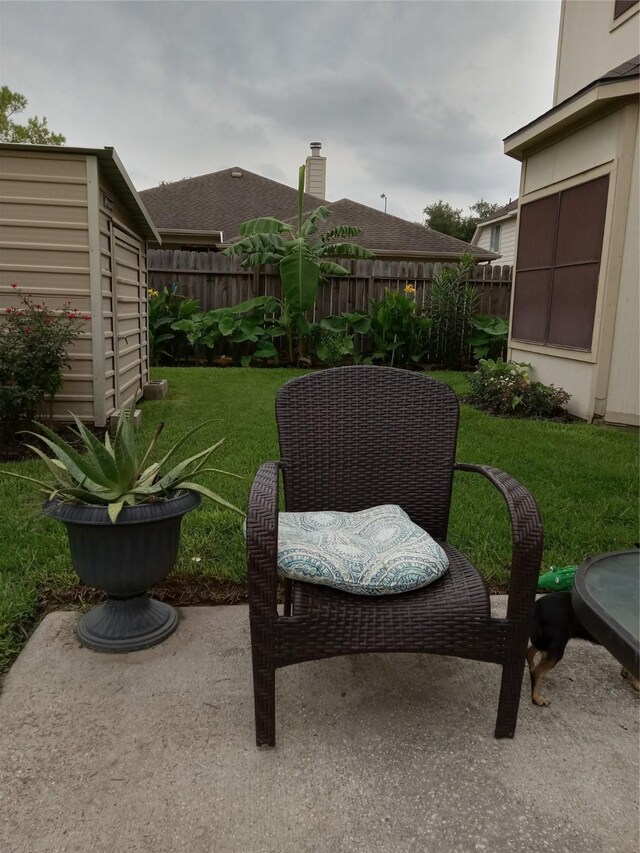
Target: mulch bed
[(17, 451), (178, 590)]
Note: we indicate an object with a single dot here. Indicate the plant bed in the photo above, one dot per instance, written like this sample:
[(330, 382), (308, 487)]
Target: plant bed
[(17, 450)]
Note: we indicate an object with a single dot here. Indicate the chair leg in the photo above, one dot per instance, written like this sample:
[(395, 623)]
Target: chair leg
[(510, 690), (287, 596), (264, 698)]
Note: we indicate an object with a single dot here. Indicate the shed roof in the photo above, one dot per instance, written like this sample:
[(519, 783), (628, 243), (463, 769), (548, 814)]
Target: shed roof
[(220, 201), (114, 170)]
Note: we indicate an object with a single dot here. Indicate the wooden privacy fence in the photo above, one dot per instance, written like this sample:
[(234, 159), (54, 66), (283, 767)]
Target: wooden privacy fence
[(218, 281)]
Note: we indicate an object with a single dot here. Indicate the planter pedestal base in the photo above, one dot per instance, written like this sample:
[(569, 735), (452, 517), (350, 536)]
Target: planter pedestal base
[(127, 625)]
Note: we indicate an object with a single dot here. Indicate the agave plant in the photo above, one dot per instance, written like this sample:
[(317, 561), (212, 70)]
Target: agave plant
[(112, 475)]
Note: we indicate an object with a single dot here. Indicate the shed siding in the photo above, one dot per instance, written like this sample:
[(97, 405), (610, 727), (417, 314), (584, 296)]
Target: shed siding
[(44, 242), (125, 299)]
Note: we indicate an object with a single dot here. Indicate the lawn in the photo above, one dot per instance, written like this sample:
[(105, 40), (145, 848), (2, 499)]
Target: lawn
[(583, 477)]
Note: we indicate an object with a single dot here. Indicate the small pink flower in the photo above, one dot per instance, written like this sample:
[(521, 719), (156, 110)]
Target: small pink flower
[(86, 317), (71, 316), (8, 310), (27, 330), (14, 286)]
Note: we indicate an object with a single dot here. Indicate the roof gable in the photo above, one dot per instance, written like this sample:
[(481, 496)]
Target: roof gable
[(220, 201)]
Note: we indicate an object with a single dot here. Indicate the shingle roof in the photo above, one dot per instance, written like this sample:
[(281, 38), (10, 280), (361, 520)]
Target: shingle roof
[(387, 234), (628, 70), (219, 201), (501, 211)]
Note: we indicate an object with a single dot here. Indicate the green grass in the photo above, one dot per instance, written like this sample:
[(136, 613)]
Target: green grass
[(583, 477)]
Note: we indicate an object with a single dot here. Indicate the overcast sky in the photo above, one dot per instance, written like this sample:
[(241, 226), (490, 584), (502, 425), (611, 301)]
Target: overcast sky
[(408, 98)]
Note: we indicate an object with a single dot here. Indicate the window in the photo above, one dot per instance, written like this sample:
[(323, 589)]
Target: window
[(494, 244), (621, 6), (558, 264)]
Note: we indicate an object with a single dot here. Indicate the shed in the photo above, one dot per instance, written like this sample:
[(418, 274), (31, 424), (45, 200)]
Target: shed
[(73, 229)]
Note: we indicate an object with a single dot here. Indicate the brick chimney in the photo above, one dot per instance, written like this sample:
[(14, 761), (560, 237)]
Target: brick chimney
[(316, 176)]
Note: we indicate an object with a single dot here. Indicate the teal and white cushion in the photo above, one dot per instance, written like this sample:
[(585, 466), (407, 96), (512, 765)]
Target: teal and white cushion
[(375, 551)]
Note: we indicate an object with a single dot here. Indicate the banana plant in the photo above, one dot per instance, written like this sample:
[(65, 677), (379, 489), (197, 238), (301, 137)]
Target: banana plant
[(303, 262)]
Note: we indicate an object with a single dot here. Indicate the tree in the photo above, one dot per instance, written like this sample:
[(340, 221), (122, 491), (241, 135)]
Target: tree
[(302, 263), (441, 216), (34, 131)]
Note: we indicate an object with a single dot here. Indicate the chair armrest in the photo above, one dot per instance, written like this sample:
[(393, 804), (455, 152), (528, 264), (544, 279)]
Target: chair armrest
[(262, 541), (526, 537)]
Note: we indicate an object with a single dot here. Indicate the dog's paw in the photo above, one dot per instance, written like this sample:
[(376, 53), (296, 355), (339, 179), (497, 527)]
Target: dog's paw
[(630, 678), (540, 701)]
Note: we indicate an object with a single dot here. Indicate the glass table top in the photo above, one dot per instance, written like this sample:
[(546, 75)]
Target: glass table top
[(613, 582)]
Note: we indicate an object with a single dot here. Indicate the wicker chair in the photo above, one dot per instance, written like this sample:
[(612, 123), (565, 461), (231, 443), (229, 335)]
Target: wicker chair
[(357, 437)]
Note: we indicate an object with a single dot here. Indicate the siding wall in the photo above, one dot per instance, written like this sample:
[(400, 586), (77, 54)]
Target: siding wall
[(592, 43), (596, 149), (623, 395), (58, 236), (508, 234), (124, 300), (44, 247)]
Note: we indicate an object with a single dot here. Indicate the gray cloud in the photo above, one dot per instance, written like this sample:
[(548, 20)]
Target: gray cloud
[(408, 98)]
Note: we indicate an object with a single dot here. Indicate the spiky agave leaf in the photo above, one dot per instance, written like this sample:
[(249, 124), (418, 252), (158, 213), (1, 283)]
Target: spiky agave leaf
[(203, 490)]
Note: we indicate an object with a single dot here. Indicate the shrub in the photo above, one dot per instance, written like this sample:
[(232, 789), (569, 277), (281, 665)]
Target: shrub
[(399, 329), (331, 347), (489, 338), (34, 343), (450, 303), (166, 307), (505, 388)]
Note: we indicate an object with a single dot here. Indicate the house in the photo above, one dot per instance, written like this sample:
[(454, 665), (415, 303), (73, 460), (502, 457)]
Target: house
[(207, 212), (575, 301), (73, 229), (497, 233)]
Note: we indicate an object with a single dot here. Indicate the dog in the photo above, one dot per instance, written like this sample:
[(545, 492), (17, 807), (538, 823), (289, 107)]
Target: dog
[(554, 624)]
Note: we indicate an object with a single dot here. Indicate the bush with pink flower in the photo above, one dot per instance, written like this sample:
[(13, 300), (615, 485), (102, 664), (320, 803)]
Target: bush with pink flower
[(34, 350)]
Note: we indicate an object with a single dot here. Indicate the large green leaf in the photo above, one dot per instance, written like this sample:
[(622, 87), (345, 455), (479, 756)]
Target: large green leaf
[(329, 268), (196, 487), (79, 468), (345, 250), (124, 448), (263, 225), (98, 452), (299, 276), (339, 232), (312, 223), (265, 349)]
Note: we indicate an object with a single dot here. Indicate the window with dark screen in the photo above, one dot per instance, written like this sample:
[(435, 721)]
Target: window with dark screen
[(621, 6), (558, 264)]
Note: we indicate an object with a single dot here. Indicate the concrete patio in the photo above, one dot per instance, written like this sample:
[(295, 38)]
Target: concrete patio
[(154, 751)]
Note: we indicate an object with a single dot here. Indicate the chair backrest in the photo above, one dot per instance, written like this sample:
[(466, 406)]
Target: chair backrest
[(357, 437)]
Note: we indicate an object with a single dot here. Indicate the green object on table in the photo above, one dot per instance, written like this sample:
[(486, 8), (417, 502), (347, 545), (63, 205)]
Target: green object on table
[(558, 579)]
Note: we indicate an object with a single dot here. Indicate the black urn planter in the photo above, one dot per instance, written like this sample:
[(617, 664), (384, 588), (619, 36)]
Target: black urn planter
[(124, 559)]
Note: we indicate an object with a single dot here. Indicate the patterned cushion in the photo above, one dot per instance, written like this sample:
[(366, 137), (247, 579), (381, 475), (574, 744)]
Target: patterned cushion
[(372, 552)]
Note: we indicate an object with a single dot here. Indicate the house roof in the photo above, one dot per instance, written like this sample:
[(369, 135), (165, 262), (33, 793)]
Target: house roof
[(219, 201), (512, 207), (385, 234), (628, 70), (115, 172)]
